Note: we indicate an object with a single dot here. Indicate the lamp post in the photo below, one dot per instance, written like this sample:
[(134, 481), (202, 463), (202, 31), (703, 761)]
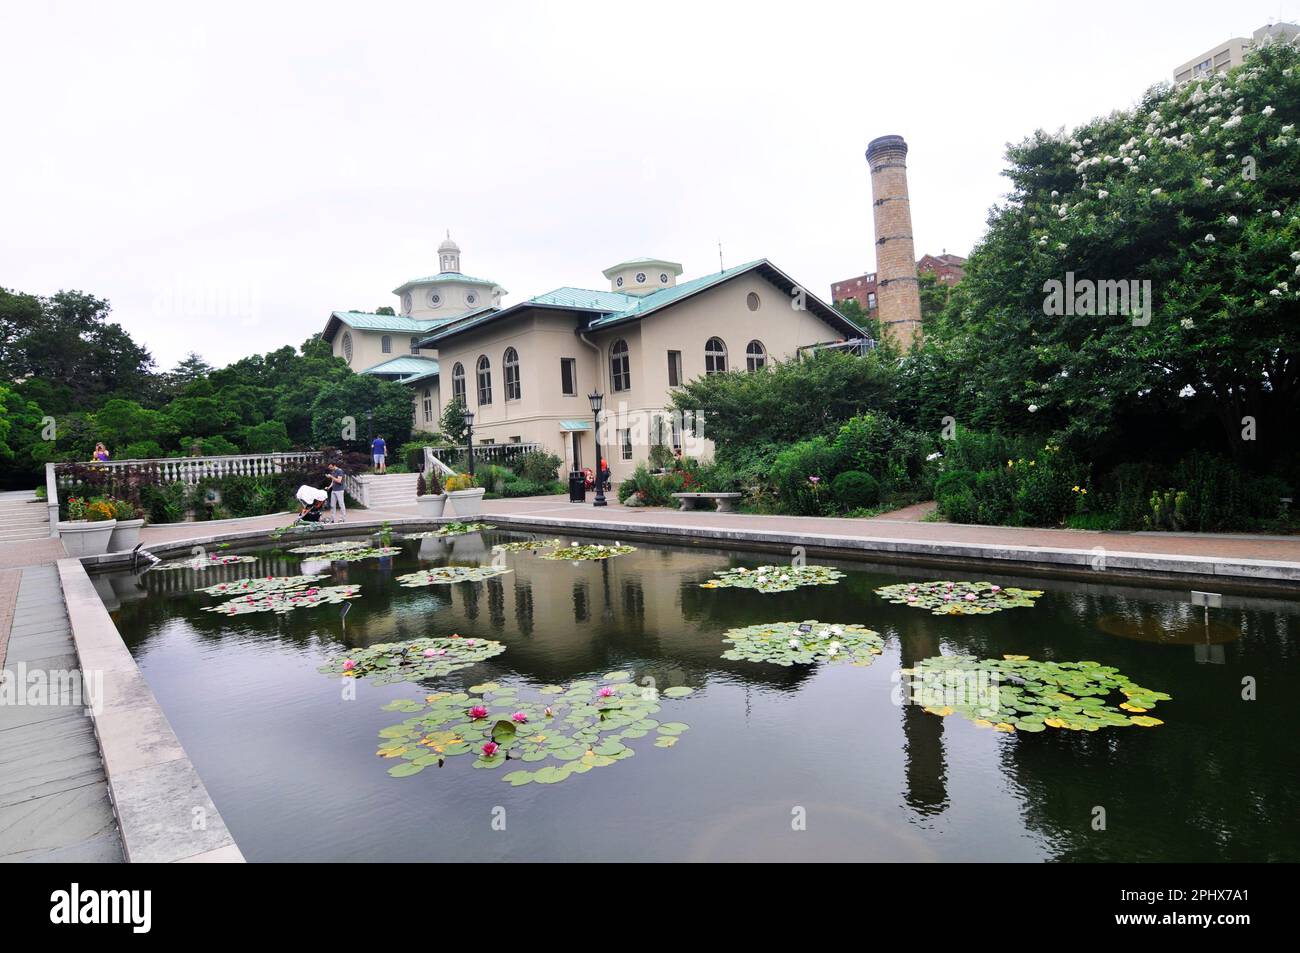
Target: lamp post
[(597, 399), (468, 416)]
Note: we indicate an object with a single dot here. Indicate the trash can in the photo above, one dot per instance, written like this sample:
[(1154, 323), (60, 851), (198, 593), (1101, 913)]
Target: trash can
[(577, 487)]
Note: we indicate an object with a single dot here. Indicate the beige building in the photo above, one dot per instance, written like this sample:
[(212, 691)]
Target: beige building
[(1230, 53), (526, 370)]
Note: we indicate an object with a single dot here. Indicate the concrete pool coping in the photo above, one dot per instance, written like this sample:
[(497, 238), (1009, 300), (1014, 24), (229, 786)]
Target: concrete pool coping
[(163, 810), (1095, 563)]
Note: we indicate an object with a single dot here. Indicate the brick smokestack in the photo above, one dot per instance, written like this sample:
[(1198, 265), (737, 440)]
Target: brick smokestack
[(898, 296)]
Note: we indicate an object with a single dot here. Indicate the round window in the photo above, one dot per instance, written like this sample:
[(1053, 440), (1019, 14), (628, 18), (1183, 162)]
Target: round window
[(347, 346), (663, 277), (640, 278), (471, 298), (752, 301), (406, 303), (435, 299), (619, 282)]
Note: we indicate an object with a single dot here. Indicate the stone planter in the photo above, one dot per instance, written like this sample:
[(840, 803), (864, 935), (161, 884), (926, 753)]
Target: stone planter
[(83, 538), (431, 504), (125, 536), (465, 502)]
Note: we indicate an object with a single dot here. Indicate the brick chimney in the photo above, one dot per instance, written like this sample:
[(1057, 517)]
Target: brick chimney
[(898, 295)]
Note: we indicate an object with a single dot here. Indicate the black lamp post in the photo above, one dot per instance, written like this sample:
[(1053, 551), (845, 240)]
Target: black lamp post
[(597, 399), (468, 416)]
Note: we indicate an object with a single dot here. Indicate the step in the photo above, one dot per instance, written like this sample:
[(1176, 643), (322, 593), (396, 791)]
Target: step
[(15, 536)]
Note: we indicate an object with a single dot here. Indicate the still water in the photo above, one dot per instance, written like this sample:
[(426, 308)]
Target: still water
[(811, 762)]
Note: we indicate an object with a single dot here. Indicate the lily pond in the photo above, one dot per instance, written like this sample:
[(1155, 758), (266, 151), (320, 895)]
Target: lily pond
[(505, 696)]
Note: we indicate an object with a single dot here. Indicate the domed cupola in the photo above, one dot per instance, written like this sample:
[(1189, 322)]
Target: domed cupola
[(448, 256)]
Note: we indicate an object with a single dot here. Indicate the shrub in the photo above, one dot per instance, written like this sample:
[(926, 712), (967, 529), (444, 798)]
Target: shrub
[(855, 490), (959, 505), (167, 503), (140, 450), (538, 466), (801, 472), (494, 478), (953, 481), (529, 488)]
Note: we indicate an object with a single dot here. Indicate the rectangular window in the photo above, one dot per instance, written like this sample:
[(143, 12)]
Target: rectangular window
[(677, 432), (871, 300), (625, 440), (386, 344), (569, 376), (428, 407), (674, 368), (415, 345)]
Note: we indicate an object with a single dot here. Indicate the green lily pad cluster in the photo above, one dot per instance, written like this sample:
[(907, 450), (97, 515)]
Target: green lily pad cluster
[(409, 661), (446, 575), (206, 562), (547, 735), (803, 643), (1016, 693), (451, 529), (286, 600), (943, 597), (774, 578), (336, 546), (356, 555), (268, 584), (580, 553), (526, 546)]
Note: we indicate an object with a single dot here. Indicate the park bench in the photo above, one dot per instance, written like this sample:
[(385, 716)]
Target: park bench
[(723, 502)]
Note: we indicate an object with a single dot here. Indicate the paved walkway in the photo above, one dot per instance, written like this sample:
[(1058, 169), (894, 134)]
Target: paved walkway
[(54, 803)]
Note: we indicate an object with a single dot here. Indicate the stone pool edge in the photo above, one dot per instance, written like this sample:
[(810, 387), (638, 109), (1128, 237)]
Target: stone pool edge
[(163, 810)]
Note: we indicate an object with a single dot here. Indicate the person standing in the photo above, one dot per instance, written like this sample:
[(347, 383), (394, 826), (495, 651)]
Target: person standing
[(378, 453), (101, 453), (338, 505)]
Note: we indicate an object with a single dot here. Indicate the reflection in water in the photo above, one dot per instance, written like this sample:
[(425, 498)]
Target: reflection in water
[(285, 759)]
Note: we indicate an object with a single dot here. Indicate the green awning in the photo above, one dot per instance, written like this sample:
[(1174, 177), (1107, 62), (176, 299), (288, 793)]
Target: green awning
[(569, 425)]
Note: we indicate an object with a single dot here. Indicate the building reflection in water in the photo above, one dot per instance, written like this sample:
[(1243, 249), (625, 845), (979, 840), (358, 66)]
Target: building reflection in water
[(925, 771), (524, 606)]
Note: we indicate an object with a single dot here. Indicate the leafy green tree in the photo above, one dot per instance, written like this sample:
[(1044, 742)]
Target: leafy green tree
[(453, 422), (339, 413), (120, 422)]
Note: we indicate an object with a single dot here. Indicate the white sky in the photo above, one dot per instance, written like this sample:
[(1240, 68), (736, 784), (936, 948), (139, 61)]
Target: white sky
[(228, 177)]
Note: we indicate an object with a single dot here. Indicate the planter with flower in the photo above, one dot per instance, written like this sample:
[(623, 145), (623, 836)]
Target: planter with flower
[(430, 504), (130, 520), (88, 528), (463, 497)]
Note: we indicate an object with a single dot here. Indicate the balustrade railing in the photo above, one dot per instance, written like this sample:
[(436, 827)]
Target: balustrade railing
[(501, 454)]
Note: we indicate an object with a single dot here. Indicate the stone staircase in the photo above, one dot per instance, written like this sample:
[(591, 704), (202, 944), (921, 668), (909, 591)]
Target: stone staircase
[(24, 517), (389, 489)]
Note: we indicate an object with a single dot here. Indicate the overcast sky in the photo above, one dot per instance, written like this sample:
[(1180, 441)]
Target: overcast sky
[(228, 177)]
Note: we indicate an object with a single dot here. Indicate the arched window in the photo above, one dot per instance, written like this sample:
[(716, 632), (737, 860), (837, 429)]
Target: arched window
[(415, 345), (458, 382), (620, 366), (386, 344), (512, 374), (484, 381), (715, 356), (428, 405), (755, 356), (347, 346)]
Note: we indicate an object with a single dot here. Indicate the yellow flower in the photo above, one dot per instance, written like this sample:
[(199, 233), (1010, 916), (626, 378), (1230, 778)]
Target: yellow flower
[(1074, 489), (1010, 464)]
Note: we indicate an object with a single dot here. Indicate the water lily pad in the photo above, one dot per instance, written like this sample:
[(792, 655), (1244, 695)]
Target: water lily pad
[(581, 553), (1018, 694), (774, 578), (353, 555), (334, 546), (803, 643), (446, 575), (526, 546), (260, 584), (589, 724), (943, 597), (205, 562), (285, 600), (408, 661), (450, 529)]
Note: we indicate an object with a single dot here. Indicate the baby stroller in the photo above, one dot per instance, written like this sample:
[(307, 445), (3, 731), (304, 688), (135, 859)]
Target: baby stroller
[(313, 503)]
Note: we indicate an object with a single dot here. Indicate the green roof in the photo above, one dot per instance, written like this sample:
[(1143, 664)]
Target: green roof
[(365, 321), (443, 278), (407, 366)]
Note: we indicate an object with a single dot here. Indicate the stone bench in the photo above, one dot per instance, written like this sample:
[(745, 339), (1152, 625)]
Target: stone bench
[(723, 502)]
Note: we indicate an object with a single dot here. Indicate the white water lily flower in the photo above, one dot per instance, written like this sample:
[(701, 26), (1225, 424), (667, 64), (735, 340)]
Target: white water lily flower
[(837, 630), (742, 569), (833, 650), (785, 578), (794, 643)]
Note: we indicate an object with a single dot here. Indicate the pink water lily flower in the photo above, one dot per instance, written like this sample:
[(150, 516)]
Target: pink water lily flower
[(430, 653), (490, 749), (996, 588), (478, 711), (548, 711), (349, 665), (970, 597), (520, 717), (911, 598), (605, 692)]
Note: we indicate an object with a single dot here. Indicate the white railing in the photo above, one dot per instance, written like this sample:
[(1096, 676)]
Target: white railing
[(189, 470), (431, 462), (501, 454)]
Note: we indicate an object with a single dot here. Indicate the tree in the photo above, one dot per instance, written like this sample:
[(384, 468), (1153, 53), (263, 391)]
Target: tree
[(338, 414), (453, 422)]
